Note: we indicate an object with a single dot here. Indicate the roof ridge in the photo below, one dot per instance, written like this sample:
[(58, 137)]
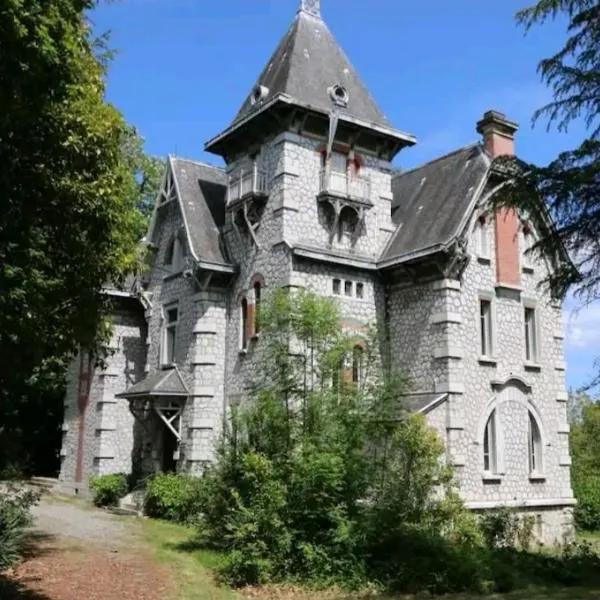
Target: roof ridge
[(198, 163), (399, 173)]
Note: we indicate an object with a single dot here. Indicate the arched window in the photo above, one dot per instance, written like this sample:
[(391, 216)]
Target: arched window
[(490, 444), (357, 364), (347, 222), (535, 445), (244, 324), (257, 292)]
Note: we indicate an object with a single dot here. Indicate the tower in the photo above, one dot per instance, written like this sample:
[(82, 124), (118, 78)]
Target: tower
[(309, 151)]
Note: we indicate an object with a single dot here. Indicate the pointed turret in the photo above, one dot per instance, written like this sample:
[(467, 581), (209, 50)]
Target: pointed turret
[(310, 74)]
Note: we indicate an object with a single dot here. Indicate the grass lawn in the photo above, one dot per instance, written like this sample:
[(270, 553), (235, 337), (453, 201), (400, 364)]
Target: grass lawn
[(193, 569)]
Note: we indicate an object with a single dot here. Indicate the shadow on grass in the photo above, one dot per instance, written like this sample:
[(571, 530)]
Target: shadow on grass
[(11, 589)]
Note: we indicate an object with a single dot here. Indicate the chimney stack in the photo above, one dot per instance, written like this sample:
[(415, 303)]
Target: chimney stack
[(498, 133)]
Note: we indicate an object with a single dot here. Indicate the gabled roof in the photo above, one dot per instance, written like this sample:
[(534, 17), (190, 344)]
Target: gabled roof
[(167, 382), (307, 62), (431, 202), (202, 192)]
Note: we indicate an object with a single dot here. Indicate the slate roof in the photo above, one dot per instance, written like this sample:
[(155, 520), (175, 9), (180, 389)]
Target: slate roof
[(202, 189), (306, 63), (416, 403), (431, 202), (167, 382)]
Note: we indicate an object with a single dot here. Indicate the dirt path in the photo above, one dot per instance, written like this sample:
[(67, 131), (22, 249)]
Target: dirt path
[(80, 553)]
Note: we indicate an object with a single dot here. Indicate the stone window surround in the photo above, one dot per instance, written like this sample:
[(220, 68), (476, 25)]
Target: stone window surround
[(249, 306), (532, 412)]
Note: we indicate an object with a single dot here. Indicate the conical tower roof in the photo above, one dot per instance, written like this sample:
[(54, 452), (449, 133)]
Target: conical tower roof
[(306, 66)]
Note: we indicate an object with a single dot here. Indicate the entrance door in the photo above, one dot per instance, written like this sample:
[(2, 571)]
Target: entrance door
[(169, 447)]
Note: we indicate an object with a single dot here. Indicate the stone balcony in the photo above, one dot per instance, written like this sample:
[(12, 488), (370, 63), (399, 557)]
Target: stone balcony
[(340, 185), (247, 184)]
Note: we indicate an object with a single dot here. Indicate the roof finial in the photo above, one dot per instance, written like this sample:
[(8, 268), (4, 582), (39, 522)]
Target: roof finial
[(312, 7)]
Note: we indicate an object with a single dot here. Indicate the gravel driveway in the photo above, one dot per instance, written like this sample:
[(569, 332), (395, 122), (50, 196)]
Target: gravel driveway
[(82, 553)]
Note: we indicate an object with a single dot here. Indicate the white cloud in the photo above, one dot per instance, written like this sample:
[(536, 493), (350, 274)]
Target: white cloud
[(582, 326)]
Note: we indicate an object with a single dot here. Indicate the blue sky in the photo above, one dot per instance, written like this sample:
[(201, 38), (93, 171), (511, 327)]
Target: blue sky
[(183, 67)]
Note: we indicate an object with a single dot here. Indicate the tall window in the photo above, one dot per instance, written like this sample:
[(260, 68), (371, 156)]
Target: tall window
[(531, 336), (244, 324), (170, 335), (486, 327), (482, 237), (175, 254), (490, 445), (257, 291), (535, 446), (357, 364)]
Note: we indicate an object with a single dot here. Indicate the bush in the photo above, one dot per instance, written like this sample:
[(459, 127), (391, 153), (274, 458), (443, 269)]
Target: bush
[(505, 528), (15, 517), (587, 510), (172, 497), (108, 489)]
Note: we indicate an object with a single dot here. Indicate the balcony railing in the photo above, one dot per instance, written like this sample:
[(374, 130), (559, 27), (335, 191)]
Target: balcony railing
[(340, 183), (247, 182)]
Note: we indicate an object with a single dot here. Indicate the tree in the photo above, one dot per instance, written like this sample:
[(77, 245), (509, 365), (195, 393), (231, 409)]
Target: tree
[(71, 188), (570, 185)]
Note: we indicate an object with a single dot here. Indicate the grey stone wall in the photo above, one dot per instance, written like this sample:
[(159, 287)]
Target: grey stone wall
[(435, 333), (108, 423)]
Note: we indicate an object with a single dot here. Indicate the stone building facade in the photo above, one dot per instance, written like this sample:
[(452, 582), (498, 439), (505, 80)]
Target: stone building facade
[(309, 198)]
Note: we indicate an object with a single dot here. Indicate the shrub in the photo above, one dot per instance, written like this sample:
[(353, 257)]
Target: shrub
[(505, 528), (108, 489), (15, 517), (172, 497), (587, 510)]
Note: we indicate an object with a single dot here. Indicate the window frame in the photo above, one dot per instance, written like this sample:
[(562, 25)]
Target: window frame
[(487, 331), (257, 289), (360, 290), (358, 364), (531, 334), (243, 324), (490, 446), (336, 286), (483, 244), (535, 446), (526, 242), (169, 335)]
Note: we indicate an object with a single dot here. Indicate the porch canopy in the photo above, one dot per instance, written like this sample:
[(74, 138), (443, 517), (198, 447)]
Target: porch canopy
[(162, 393)]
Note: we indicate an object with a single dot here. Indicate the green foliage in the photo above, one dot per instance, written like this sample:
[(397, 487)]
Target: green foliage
[(325, 481), (174, 497), (505, 528), (108, 489), (585, 452), (75, 187), (569, 185), (15, 517)]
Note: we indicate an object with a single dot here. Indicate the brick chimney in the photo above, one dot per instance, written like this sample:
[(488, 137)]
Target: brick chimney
[(499, 140), (498, 133)]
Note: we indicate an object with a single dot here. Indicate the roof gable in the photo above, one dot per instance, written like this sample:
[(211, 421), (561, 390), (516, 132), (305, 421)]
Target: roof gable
[(431, 202), (200, 190)]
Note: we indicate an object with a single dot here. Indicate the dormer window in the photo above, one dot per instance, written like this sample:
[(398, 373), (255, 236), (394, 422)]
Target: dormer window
[(259, 93), (339, 94)]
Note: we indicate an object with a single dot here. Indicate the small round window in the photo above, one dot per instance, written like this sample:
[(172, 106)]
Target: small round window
[(258, 93), (339, 94)]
